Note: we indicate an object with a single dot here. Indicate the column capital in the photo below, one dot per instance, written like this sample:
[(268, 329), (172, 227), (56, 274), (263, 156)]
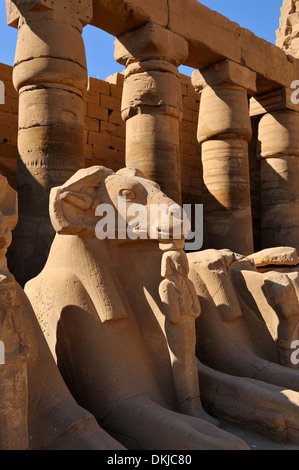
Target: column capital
[(225, 72), (278, 134), (81, 9), (150, 42)]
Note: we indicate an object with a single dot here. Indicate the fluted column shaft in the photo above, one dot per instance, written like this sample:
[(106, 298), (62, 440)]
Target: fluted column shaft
[(279, 152), (50, 74), (152, 103), (224, 130)]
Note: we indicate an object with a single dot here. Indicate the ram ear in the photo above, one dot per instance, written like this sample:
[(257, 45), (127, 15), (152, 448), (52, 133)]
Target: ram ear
[(131, 172), (80, 201), (73, 205), (134, 172)]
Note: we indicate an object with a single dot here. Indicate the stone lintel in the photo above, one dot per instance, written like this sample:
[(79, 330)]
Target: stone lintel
[(150, 42), (276, 100), (225, 72)]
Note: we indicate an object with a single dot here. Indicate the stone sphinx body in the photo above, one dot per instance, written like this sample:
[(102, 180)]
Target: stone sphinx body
[(101, 310), (244, 335), (253, 316), (37, 411), (104, 307)]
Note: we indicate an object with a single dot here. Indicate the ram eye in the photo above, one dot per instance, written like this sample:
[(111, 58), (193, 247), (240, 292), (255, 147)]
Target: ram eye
[(128, 194)]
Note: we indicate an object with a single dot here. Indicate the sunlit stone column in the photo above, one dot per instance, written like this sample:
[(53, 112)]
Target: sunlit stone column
[(152, 103), (224, 130), (50, 75), (279, 151)]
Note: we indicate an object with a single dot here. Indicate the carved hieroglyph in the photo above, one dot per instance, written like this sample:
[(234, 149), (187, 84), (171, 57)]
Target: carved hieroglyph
[(36, 409)]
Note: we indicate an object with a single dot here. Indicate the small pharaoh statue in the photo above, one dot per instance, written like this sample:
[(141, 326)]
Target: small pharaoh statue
[(181, 308)]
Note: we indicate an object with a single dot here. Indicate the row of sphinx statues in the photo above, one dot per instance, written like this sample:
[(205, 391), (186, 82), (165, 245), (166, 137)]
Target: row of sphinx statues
[(135, 344)]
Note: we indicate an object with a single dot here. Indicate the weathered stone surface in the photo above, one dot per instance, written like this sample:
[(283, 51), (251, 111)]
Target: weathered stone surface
[(225, 72), (51, 78), (131, 319), (282, 255), (287, 34), (224, 130), (227, 205), (152, 90), (181, 307), (278, 134), (252, 317), (126, 349), (276, 100), (83, 9), (224, 112), (152, 103), (202, 28), (37, 411), (118, 17), (150, 42), (152, 146), (279, 146)]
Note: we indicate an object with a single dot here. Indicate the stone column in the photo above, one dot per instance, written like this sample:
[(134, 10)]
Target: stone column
[(152, 103), (279, 152), (224, 130), (278, 149), (50, 74)]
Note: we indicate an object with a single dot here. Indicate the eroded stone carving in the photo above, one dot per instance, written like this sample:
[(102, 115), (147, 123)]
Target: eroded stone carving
[(240, 345), (104, 319), (91, 326), (50, 77), (237, 302), (181, 307), (13, 371), (36, 409)]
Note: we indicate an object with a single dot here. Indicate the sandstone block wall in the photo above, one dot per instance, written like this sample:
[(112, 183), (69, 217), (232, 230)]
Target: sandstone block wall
[(104, 127), (191, 168), (105, 130)]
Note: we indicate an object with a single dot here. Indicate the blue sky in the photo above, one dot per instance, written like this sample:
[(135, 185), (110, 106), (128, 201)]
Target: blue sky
[(260, 16)]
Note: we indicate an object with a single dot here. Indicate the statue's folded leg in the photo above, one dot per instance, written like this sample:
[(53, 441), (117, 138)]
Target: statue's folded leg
[(55, 420), (37, 411), (259, 406), (157, 428), (231, 337)]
